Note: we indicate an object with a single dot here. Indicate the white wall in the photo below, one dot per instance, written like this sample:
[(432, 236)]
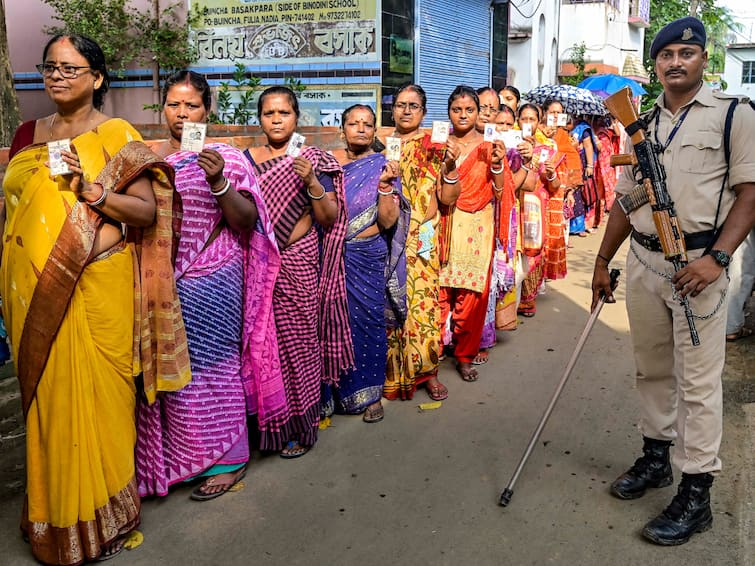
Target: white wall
[(603, 29), (532, 59), (733, 71)]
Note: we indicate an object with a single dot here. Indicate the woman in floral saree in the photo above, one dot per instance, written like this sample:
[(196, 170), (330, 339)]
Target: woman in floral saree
[(414, 347)]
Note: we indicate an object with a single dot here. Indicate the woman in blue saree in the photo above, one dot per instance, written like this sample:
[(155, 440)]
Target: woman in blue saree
[(375, 287)]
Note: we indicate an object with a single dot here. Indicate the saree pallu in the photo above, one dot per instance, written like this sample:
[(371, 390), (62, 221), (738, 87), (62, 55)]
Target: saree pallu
[(555, 237), (536, 264), (78, 328), (413, 348), (309, 299), (201, 429)]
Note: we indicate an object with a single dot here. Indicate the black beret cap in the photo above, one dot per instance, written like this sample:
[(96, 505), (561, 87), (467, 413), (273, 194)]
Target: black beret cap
[(687, 30)]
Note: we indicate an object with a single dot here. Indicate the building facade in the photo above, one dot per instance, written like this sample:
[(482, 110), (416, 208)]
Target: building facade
[(739, 71), (613, 32), (533, 43), (342, 52)]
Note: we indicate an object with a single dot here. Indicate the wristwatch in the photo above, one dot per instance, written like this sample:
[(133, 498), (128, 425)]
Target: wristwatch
[(722, 258)]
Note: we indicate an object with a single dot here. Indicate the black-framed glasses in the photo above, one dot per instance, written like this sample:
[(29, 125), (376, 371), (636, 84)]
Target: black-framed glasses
[(412, 106), (66, 71)]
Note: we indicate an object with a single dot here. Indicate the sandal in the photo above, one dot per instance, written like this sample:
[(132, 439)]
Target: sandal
[(200, 495), (437, 392), (468, 374), (741, 333), (374, 415), (293, 450), (108, 552), (481, 358)]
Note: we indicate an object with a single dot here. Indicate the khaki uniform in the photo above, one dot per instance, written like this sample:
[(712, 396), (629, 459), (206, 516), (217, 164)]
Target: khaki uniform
[(680, 384)]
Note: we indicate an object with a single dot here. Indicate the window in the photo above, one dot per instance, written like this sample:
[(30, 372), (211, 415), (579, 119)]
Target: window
[(748, 72)]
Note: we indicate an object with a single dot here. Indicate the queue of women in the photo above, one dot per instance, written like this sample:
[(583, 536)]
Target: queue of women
[(155, 300)]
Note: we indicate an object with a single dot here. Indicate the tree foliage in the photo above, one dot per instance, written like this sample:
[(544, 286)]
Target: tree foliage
[(127, 35), (577, 58), (718, 23), (10, 117)]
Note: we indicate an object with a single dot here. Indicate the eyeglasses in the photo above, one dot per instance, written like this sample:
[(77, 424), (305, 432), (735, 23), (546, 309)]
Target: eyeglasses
[(66, 71), (484, 109), (412, 106)]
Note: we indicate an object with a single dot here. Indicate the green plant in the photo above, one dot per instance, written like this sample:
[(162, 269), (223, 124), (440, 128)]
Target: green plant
[(577, 58)]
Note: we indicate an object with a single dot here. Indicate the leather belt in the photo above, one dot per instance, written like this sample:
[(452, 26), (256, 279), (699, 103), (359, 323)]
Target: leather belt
[(694, 241)]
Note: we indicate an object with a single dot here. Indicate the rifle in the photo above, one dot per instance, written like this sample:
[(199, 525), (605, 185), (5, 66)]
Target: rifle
[(654, 184)]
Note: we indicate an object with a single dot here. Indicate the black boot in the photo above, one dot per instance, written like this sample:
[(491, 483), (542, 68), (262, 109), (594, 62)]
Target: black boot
[(653, 469), (688, 513)]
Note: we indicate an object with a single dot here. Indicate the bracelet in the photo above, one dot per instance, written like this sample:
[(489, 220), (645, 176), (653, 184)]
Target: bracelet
[(450, 181), (604, 258), (222, 191), (313, 197), (496, 189), (101, 199), (496, 171), (386, 193), (525, 167), (551, 178)]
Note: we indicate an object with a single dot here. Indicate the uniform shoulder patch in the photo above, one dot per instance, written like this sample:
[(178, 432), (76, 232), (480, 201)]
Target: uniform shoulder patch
[(725, 96)]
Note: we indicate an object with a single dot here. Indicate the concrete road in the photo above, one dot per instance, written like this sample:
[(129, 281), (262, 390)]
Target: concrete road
[(423, 487)]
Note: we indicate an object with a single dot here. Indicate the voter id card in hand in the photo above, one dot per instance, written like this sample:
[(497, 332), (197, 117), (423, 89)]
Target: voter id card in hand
[(192, 136), (393, 149), (526, 130), (490, 134), (440, 131), (55, 158), (295, 144), (511, 138), (562, 119)]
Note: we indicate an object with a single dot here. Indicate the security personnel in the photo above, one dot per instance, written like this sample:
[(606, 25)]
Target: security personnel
[(680, 384)]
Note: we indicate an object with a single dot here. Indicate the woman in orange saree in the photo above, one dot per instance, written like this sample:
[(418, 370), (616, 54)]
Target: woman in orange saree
[(469, 229), (74, 307)]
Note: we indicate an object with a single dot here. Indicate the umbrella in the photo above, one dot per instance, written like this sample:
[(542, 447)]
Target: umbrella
[(611, 83), (574, 99)]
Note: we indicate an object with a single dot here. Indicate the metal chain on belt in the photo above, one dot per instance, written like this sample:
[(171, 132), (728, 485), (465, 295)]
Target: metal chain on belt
[(675, 293)]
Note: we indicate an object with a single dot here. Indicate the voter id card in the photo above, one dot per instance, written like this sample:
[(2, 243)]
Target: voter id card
[(440, 132), (393, 149), (192, 136), (295, 144), (57, 165)]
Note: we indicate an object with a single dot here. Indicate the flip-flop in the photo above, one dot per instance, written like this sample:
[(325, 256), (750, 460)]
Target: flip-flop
[(199, 495), (373, 415), (467, 374), (104, 557), (290, 455), (743, 332), (481, 358), (437, 392)]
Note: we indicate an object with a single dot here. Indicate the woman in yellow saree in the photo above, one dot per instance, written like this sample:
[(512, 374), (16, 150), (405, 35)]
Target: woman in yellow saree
[(73, 306)]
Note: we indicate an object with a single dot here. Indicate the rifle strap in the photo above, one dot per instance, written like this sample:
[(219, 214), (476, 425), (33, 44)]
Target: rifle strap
[(727, 156)]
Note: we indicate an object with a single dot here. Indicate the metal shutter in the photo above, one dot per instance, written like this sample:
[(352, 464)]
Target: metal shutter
[(453, 48)]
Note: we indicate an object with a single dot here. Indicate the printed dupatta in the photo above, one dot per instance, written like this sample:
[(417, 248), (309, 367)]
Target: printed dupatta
[(286, 199)]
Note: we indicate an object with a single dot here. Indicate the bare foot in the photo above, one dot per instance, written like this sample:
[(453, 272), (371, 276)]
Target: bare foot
[(467, 371)]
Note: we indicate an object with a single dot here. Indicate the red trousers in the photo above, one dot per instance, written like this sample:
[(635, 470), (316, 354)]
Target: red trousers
[(467, 310)]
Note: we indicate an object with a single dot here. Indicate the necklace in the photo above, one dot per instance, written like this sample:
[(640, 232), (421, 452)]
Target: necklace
[(87, 125)]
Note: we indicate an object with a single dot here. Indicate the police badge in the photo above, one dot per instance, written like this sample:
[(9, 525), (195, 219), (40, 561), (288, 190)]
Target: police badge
[(687, 34)]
